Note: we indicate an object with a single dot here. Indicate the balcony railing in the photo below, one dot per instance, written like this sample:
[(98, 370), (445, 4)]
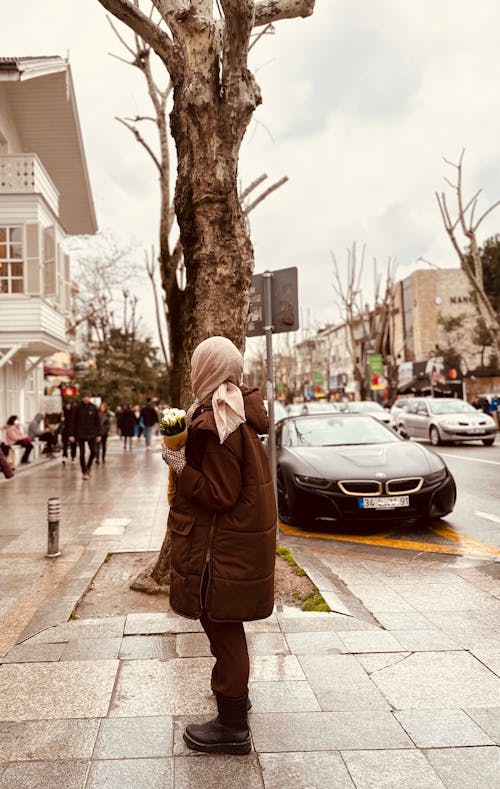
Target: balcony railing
[(25, 174)]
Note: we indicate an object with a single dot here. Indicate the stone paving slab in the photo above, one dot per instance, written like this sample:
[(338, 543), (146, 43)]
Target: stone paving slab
[(153, 773), (314, 770), (402, 620), (476, 768), (152, 624), (438, 728), (154, 687), (92, 649), (424, 640), (438, 679), (47, 740), (271, 668), (148, 648), (320, 642), (283, 697), (390, 769), (488, 719), (340, 683), (34, 653), (84, 628), (327, 731), (217, 772), (134, 738), (373, 641), (43, 691), (38, 775)]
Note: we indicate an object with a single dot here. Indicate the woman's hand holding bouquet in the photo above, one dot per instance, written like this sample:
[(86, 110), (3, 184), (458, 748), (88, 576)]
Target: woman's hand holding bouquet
[(174, 436)]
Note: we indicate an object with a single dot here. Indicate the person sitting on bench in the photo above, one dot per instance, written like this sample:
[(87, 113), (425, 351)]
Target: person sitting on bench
[(35, 431)]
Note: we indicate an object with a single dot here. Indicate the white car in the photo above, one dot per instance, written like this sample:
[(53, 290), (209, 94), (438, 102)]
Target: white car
[(401, 404), (446, 419), (372, 408)]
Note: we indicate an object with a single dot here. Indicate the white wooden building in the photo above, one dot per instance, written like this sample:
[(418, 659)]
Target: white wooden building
[(45, 195)]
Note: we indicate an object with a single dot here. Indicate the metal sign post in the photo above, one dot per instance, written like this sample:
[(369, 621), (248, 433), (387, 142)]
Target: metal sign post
[(274, 308), (268, 329)]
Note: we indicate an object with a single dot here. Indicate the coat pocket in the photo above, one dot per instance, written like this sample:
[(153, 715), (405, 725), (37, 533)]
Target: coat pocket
[(180, 522)]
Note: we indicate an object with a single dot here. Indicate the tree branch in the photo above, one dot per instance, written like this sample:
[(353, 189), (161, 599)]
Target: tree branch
[(141, 24), (142, 141), (269, 11), (264, 194), (252, 186)]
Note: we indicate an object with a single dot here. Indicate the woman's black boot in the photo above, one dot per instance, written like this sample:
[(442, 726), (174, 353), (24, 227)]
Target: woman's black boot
[(227, 733)]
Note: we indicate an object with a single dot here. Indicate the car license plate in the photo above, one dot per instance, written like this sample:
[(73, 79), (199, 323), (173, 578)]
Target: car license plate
[(478, 431), (383, 503)]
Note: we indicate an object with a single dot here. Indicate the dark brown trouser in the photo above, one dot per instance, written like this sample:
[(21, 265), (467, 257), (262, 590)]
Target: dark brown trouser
[(228, 645)]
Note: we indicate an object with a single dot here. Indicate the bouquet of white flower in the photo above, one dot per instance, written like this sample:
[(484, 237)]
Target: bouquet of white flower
[(174, 436), (173, 422)]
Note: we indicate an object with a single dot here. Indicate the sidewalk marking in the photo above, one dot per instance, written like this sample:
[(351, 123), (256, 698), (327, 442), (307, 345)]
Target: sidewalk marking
[(488, 517), (112, 526), (462, 544), (466, 457)]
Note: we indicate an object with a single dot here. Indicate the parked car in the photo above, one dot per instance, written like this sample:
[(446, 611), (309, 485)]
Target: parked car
[(446, 419), (401, 404), (315, 407), (335, 467), (371, 407), (279, 410)]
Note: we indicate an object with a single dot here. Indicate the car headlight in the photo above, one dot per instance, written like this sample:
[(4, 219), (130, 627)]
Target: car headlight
[(436, 476), (311, 482), (449, 424)]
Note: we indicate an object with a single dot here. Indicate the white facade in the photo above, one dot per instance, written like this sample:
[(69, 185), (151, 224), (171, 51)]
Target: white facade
[(44, 196)]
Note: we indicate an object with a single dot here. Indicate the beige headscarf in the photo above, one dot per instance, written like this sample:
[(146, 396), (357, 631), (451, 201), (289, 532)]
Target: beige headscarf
[(217, 370)]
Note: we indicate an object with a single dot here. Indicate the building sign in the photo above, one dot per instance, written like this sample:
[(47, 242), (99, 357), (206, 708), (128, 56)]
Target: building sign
[(376, 371)]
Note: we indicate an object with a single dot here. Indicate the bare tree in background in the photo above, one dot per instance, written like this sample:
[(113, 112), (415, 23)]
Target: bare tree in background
[(368, 328), (464, 221), (171, 260)]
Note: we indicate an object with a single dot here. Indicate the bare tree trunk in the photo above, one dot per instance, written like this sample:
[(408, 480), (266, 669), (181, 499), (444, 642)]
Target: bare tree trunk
[(214, 97)]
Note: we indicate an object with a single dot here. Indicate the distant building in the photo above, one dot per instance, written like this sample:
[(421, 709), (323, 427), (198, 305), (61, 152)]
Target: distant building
[(45, 195)]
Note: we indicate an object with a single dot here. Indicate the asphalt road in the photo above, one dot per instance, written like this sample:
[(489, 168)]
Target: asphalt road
[(472, 529)]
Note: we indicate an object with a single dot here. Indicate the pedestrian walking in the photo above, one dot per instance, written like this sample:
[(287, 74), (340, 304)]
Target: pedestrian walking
[(223, 525), (104, 428), (48, 436), (84, 430), (65, 430), (149, 417), (138, 423), (15, 437), (127, 426)]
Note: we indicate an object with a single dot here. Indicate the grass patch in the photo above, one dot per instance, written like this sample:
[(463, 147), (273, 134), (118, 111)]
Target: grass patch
[(107, 558), (314, 600), (287, 556)]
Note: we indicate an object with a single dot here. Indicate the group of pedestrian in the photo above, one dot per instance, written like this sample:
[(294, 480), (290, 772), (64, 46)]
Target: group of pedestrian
[(135, 422), (488, 405)]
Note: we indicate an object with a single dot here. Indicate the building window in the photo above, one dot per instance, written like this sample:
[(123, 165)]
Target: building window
[(11, 260)]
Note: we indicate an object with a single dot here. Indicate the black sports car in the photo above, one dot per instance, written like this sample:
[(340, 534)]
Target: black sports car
[(335, 467)]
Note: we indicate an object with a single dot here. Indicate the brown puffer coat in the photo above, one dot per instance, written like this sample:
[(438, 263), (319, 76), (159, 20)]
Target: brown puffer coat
[(223, 521)]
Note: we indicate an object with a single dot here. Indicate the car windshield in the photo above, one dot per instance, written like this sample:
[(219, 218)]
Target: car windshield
[(365, 406), (336, 430), (450, 407)]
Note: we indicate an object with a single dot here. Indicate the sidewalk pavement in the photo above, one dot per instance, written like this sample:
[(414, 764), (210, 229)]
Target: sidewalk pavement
[(399, 686)]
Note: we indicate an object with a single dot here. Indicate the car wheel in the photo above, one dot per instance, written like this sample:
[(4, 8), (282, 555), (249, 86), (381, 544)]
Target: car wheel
[(488, 442), (434, 436), (284, 509)]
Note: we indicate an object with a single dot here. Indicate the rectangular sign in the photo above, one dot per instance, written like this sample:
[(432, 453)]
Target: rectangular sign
[(376, 371), (284, 303)]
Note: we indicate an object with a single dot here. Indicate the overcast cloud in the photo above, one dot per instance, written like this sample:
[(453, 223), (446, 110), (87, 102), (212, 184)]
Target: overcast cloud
[(360, 103)]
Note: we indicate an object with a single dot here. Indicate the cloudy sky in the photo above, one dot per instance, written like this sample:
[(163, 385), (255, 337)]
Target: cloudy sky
[(361, 102)]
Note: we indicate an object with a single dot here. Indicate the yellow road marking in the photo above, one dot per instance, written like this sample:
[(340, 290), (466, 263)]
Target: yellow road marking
[(463, 543)]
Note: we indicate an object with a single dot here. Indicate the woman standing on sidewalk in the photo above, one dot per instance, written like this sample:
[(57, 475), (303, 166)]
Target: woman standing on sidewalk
[(223, 524)]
